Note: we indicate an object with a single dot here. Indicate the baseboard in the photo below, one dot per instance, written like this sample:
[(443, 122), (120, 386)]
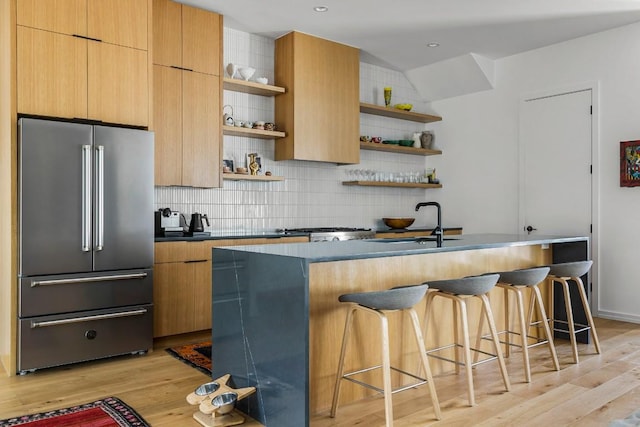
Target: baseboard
[(623, 317)]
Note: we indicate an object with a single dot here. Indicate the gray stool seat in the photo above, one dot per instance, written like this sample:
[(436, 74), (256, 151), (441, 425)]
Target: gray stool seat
[(458, 290), (524, 277), (378, 303), (392, 299), (513, 282), (570, 269), (564, 274), (472, 285)]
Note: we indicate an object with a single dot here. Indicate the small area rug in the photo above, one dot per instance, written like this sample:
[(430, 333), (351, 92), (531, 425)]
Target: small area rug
[(195, 355), (108, 412)]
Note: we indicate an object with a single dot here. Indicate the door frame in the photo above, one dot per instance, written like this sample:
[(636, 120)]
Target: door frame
[(594, 247)]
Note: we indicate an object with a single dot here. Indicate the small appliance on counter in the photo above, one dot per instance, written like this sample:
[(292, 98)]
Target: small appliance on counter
[(196, 227), (169, 223)]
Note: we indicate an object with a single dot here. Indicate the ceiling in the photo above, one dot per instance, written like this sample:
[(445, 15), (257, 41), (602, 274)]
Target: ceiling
[(395, 33)]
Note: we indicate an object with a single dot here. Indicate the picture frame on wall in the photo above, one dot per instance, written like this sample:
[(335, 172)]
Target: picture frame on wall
[(630, 163), (228, 163)]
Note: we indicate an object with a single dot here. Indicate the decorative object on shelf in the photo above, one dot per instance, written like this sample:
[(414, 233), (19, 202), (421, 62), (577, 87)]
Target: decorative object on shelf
[(417, 142), (387, 96), (227, 166), (403, 107), (241, 170), (391, 141), (248, 125), (258, 125), (629, 163), (232, 69), (426, 139), (376, 139), (246, 72), (262, 80), (269, 126), (406, 142), (254, 163), (228, 117), (239, 123), (365, 138), (268, 173)]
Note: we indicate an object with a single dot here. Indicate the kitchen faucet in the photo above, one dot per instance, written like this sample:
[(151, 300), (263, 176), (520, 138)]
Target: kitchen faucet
[(438, 230)]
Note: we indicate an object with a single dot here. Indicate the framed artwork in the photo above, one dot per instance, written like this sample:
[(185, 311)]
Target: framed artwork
[(629, 163), (228, 163)]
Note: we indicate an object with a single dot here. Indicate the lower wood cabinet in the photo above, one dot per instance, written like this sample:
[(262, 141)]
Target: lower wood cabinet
[(182, 282)]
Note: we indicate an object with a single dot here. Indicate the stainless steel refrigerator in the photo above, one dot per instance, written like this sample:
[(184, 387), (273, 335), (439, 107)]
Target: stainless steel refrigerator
[(85, 242)]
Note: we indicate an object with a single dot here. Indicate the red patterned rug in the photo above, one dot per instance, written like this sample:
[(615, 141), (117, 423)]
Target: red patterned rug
[(108, 412), (195, 355)]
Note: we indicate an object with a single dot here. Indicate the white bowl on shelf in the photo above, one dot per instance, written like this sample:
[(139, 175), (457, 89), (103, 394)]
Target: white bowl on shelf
[(246, 72), (262, 80)]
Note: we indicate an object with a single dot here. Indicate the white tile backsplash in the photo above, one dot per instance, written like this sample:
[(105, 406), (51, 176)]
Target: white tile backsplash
[(312, 194)]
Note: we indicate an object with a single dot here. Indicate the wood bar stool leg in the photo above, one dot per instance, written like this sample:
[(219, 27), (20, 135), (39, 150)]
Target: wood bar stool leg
[(425, 362), (345, 340), (569, 310), (587, 311), (523, 334), (535, 293), (427, 307), (386, 369), (507, 350), (456, 333), (479, 337), (494, 335), (466, 349)]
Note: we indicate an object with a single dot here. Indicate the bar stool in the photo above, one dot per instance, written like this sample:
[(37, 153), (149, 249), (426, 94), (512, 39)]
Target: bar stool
[(563, 273), (458, 290), (379, 304), (515, 281)]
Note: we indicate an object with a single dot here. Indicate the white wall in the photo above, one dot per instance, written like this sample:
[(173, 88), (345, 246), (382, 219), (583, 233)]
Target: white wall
[(312, 194), (480, 133)]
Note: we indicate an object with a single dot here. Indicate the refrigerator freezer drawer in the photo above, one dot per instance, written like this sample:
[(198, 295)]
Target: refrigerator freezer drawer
[(48, 341), (43, 295)]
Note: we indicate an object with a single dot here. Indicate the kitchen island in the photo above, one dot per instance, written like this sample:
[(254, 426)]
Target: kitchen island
[(277, 322)]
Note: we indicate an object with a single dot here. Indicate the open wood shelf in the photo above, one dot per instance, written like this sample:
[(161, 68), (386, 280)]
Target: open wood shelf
[(242, 177), (252, 133), (392, 148), (391, 184), (251, 87), (397, 114)]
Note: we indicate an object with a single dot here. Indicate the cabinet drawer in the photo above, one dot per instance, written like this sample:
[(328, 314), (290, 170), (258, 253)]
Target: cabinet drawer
[(62, 339), (182, 251)]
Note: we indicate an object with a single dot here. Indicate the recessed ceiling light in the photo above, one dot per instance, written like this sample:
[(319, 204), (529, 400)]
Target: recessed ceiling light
[(321, 8), (433, 44)]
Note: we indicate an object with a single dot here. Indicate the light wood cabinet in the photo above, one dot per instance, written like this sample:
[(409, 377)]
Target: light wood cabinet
[(186, 37), (321, 109), (186, 95), (84, 59), (182, 282)]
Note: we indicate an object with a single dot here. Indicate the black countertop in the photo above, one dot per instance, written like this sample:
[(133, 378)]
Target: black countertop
[(273, 234), (377, 248)]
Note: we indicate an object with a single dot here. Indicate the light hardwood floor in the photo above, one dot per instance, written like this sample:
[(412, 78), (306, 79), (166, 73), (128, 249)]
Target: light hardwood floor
[(600, 389)]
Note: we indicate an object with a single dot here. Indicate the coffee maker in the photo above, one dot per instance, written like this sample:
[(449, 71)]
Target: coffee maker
[(168, 222)]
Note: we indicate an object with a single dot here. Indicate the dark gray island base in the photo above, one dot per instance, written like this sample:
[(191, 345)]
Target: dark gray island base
[(277, 324)]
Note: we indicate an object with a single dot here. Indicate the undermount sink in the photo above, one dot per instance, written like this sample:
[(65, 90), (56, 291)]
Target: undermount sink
[(419, 240)]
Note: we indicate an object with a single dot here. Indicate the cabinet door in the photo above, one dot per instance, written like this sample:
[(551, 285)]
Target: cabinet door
[(51, 74), (60, 16), (167, 33), (200, 130), (182, 297), (201, 38), (121, 22), (117, 84), (167, 120)]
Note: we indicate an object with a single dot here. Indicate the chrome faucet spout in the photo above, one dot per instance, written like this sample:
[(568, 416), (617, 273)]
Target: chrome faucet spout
[(438, 230)]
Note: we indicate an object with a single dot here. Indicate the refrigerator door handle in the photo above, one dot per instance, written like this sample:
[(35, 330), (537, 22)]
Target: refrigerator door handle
[(86, 198), (88, 318), (100, 199), (37, 283)]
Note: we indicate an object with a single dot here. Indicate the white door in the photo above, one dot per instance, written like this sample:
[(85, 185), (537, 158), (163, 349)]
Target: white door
[(555, 180)]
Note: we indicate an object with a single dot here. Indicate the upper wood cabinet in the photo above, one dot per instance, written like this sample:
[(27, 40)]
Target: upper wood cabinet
[(186, 95), (84, 59), (186, 37), (320, 109), (120, 22)]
